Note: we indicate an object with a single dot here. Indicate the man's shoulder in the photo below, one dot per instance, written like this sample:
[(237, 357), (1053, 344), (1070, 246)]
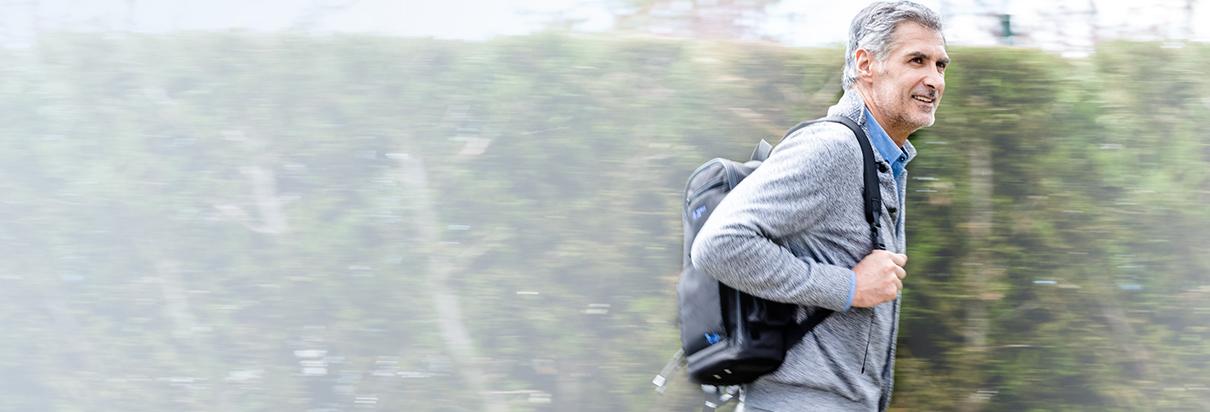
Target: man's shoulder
[(822, 138), (824, 153)]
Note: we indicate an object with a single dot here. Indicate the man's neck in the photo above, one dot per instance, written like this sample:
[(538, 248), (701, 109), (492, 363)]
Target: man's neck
[(897, 135)]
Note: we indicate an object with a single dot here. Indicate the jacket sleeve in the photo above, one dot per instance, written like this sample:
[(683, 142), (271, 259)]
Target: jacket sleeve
[(784, 197)]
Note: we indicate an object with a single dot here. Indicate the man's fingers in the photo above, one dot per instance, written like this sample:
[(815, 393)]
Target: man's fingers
[(898, 284), (899, 259), (900, 273)]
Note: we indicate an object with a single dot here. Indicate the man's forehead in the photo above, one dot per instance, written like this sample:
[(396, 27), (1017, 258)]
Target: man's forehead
[(913, 38)]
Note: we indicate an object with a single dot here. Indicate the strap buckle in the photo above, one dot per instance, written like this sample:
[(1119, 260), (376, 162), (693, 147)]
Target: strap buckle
[(676, 363)]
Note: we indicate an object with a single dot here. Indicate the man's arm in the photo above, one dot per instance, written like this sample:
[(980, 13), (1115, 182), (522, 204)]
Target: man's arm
[(784, 196)]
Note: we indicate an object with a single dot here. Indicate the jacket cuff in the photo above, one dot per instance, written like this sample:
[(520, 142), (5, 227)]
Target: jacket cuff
[(829, 286), (852, 292)]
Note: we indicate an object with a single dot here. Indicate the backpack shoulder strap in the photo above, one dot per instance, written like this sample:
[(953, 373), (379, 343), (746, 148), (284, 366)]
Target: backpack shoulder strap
[(762, 151), (872, 199)]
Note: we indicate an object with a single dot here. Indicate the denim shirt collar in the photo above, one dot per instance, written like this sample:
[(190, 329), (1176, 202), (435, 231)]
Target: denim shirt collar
[(892, 153)]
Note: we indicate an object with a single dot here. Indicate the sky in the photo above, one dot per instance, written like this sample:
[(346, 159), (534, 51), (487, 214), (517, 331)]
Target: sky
[(1050, 23)]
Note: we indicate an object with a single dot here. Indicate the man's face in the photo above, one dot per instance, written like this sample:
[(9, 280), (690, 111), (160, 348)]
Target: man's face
[(907, 84)]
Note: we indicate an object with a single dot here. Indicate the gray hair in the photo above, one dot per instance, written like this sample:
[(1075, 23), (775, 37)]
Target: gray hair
[(873, 27)]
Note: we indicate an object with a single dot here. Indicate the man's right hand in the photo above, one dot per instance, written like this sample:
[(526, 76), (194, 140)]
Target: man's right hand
[(879, 278)]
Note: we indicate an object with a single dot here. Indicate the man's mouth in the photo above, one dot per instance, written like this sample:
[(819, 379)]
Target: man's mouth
[(924, 99)]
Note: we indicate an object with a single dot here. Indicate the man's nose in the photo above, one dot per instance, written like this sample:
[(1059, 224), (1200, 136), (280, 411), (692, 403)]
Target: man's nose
[(935, 81)]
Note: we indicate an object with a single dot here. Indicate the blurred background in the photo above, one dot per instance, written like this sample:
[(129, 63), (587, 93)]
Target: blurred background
[(473, 205)]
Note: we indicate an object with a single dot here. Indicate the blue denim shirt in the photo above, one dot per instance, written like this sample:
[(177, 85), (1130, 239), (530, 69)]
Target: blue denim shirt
[(887, 147)]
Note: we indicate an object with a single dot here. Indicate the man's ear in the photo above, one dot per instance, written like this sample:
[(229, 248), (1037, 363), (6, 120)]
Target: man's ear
[(865, 63)]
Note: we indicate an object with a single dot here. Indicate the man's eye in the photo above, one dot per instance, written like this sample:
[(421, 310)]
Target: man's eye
[(917, 60)]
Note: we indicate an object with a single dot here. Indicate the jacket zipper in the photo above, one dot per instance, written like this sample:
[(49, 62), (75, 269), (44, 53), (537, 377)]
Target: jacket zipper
[(868, 334)]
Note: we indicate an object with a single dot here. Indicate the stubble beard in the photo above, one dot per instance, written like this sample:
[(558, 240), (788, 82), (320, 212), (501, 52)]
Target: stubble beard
[(908, 117)]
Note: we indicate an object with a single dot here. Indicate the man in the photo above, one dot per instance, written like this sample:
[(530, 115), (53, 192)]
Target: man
[(794, 231)]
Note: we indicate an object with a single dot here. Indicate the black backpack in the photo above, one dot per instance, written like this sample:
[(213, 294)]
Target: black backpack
[(729, 337)]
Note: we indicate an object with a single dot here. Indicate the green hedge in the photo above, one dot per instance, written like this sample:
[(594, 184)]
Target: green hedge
[(189, 215)]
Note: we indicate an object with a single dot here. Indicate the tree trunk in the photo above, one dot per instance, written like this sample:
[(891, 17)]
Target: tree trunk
[(441, 264), (978, 270)]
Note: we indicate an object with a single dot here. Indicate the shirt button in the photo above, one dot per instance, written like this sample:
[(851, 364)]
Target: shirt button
[(882, 167)]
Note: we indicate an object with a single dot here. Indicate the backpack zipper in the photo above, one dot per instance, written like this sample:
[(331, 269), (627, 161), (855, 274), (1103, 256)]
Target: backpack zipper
[(699, 192), (729, 179)]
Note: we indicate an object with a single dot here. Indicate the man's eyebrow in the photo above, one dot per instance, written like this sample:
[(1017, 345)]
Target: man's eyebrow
[(912, 55)]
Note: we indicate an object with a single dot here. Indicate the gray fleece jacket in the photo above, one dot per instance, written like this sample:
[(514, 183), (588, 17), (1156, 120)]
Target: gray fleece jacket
[(791, 232)]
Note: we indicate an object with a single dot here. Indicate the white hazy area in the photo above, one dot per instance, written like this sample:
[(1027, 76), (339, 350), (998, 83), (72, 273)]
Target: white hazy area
[(1068, 26)]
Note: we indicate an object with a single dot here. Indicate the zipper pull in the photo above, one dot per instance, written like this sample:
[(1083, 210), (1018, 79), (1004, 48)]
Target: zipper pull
[(868, 335)]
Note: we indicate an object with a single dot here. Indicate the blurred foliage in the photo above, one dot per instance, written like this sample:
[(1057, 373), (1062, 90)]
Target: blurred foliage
[(712, 19), (245, 222)]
